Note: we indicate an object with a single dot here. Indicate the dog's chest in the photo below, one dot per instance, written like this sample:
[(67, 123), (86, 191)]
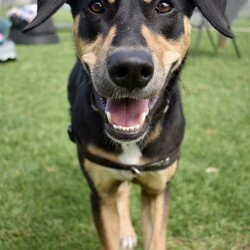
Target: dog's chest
[(131, 155)]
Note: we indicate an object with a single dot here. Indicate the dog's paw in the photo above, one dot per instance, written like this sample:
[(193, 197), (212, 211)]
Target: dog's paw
[(128, 242)]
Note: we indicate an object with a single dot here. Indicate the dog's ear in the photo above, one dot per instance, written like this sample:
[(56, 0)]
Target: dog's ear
[(45, 9), (214, 11)]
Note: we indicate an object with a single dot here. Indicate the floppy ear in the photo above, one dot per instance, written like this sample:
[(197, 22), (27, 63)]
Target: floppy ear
[(45, 9), (213, 11)]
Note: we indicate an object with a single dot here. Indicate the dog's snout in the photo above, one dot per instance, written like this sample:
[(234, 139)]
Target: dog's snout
[(130, 69)]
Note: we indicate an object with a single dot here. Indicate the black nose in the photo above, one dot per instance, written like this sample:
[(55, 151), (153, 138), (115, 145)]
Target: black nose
[(130, 68)]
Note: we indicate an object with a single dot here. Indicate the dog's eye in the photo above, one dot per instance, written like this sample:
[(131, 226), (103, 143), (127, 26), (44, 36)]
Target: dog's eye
[(96, 7), (164, 7)]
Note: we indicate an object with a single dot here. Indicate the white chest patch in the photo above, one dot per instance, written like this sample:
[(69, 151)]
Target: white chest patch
[(131, 154)]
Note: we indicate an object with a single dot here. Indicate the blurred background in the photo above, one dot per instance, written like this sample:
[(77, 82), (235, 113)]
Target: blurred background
[(44, 199)]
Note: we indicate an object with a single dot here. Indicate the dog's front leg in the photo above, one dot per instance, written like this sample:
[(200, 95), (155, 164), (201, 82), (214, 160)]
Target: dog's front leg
[(128, 238), (104, 205), (105, 215), (112, 218), (155, 206), (155, 210)]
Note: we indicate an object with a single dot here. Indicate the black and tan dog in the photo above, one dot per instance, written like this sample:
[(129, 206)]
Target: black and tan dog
[(126, 109)]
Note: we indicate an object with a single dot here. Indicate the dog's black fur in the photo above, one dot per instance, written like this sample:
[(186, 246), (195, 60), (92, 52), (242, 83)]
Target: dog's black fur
[(119, 63)]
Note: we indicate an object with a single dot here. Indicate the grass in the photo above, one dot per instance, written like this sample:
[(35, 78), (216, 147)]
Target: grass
[(44, 198)]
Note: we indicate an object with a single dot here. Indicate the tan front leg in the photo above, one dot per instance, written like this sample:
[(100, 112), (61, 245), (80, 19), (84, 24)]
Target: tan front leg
[(104, 205), (155, 206), (155, 210), (128, 238), (106, 218)]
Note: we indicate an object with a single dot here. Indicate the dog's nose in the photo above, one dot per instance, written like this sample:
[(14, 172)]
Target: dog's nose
[(130, 69)]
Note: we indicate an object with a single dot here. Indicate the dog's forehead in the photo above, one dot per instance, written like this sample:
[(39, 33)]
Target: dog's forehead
[(129, 16), (147, 1), (113, 1), (185, 6)]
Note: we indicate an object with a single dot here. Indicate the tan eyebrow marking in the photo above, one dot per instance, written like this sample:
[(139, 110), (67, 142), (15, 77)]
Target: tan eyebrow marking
[(167, 50), (111, 1), (89, 52), (147, 1), (95, 49)]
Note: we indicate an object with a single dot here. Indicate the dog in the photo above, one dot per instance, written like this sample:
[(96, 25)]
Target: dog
[(125, 106)]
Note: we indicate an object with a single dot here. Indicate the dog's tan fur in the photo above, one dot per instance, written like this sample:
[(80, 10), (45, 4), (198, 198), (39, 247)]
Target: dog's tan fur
[(168, 51), (89, 52)]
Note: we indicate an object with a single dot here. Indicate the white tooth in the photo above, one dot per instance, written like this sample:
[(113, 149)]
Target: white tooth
[(119, 127), (131, 128), (137, 127), (109, 117), (94, 108), (143, 117), (126, 129), (134, 128), (115, 127), (166, 109)]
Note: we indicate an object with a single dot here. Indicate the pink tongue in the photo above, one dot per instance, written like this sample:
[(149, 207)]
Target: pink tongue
[(127, 112)]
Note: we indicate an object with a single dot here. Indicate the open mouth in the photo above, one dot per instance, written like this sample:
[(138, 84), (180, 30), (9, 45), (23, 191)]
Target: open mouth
[(126, 119)]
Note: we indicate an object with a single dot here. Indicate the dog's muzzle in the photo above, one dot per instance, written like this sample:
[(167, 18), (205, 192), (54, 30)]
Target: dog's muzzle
[(127, 109)]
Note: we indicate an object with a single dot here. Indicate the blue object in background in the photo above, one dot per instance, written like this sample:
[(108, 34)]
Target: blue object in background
[(7, 47), (4, 29)]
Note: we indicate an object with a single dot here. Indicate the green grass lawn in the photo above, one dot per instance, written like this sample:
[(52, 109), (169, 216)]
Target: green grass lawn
[(44, 199)]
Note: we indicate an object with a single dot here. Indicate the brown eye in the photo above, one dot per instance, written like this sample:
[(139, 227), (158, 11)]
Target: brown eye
[(96, 7), (164, 7)]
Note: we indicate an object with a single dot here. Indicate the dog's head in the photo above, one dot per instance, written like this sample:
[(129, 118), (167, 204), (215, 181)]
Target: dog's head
[(130, 49)]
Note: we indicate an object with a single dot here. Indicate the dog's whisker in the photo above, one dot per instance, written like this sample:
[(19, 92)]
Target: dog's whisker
[(186, 90)]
